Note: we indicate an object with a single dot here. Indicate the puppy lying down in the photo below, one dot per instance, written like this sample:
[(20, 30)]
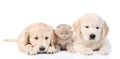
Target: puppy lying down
[(90, 35), (36, 38), (64, 37)]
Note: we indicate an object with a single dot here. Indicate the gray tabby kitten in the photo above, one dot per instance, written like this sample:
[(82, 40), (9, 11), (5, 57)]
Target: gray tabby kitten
[(64, 34)]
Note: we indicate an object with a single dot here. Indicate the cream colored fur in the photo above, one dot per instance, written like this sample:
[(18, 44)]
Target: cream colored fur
[(34, 36), (86, 25)]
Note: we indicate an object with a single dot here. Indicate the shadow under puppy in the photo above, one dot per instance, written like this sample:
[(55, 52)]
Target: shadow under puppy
[(64, 37), (36, 38)]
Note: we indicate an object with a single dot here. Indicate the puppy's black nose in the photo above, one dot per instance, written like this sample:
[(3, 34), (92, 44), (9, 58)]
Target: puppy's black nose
[(42, 48), (92, 36)]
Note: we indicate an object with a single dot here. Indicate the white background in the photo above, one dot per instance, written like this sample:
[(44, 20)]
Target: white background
[(15, 15)]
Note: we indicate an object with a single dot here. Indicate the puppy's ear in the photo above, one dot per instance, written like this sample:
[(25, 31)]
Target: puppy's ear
[(26, 37), (105, 30), (54, 39), (76, 25)]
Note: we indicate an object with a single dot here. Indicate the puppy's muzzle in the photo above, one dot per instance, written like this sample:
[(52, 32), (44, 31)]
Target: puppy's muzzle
[(92, 36), (42, 48)]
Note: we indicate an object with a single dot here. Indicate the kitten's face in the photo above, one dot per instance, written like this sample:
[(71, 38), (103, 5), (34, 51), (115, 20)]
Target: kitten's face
[(64, 33)]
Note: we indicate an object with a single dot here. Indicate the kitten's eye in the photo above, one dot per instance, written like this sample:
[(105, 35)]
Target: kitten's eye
[(66, 33), (46, 38), (61, 33), (97, 27), (36, 38), (86, 26)]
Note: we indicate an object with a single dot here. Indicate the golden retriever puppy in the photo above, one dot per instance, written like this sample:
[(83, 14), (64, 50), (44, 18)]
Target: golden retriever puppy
[(37, 38), (90, 35), (64, 37)]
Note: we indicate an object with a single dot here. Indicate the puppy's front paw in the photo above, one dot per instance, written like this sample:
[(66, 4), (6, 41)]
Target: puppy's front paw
[(30, 50), (104, 51), (51, 50), (31, 53), (87, 51)]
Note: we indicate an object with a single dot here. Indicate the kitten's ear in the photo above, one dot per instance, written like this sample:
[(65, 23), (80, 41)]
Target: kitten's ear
[(71, 30), (70, 27), (58, 26)]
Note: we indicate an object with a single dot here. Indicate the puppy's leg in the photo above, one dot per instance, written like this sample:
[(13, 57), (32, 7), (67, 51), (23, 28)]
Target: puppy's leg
[(82, 49), (105, 48), (51, 50), (26, 48), (29, 49)]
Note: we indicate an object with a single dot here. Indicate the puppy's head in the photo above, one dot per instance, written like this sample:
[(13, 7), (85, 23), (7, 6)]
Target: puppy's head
[(91, 27), (39, 36), (64, 31)]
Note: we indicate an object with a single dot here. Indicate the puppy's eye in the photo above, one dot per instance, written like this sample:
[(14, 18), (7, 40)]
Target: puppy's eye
[(46, 38), (86, 26), (97, 27), (36, 38)]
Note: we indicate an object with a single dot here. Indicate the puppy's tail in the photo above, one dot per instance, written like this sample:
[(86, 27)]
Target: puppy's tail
[(10, 40)]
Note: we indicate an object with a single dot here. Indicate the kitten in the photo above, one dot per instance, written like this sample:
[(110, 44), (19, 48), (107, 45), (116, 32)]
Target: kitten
[(64, 39)]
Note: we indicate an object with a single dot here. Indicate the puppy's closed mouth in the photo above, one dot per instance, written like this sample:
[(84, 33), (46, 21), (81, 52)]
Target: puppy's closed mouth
[(91, 39), (96, 49), (41, 52)]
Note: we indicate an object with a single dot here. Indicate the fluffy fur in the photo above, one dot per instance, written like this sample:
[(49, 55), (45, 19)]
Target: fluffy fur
[(36, 38), (64, 41), (90, 35)]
